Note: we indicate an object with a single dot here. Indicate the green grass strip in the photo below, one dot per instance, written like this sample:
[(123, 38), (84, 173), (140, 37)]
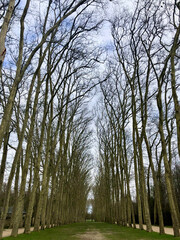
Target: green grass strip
[(110, 231)]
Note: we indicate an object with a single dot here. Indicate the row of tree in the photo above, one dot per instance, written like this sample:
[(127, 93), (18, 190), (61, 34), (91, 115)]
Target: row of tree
[(138, 125), (46, 77)]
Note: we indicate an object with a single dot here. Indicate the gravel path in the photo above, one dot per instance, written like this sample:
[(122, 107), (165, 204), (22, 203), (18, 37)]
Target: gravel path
[(91, 235)]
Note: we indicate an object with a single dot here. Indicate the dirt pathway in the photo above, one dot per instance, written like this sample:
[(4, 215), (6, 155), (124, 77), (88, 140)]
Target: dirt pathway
[(91, 235), (156, 229), (7, 232)]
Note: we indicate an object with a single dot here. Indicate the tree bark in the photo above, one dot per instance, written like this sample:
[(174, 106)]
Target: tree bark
[(9, 106), (26, 164), (168, 179), (3, 32), (173, 85), (156, 187), (3, 162)]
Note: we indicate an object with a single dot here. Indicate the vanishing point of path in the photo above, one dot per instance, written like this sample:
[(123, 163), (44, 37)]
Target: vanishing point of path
[(90, 231)]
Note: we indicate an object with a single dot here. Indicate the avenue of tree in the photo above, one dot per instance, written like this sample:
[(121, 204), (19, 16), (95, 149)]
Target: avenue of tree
[(139, 125), (50, 66)]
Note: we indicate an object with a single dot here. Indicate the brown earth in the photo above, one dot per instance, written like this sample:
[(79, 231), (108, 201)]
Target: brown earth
[(156, 229), (7, 232), (91, 235)]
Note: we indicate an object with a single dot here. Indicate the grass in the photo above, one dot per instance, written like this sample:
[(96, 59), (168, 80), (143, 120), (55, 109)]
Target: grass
[(66, 232), (115, 232), (111, 232)]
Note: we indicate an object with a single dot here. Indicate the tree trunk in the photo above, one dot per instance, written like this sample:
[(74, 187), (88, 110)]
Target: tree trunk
[(3, 33), (16, 192), (16, 158), (156, 187), (173, 85), (37, 164), (9, 107), (168, 179), (3, 162), (136, 176), (26, 164)]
